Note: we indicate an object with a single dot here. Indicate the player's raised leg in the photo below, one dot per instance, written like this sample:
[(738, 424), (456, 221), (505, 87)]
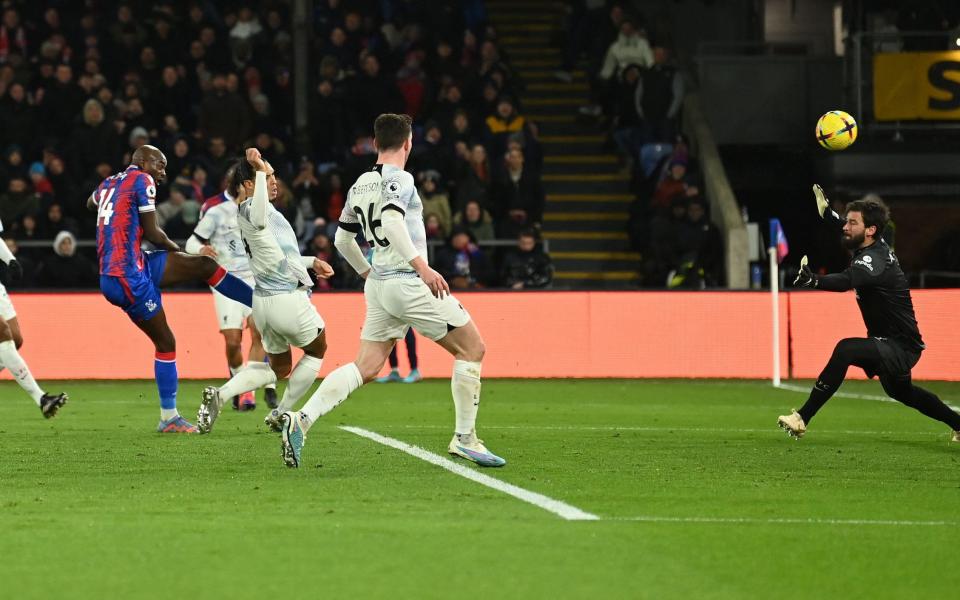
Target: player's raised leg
[(467, 347), (186, 268), (10, 359)]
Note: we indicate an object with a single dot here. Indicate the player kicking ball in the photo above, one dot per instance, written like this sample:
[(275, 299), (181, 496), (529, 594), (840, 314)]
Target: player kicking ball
[(894, 343), (11, 338), (217, 235), (131, 278), (282, 310), (401, 291)]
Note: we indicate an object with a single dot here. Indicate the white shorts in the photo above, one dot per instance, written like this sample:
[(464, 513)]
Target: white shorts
[(286, 320), (230, 313), (6, 306), (394, 305)]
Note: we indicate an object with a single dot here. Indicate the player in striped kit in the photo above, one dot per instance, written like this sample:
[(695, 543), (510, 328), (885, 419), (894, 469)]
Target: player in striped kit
[(11, 339), (131, 278)]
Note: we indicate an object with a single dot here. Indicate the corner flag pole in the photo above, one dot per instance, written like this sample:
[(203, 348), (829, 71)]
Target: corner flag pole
[(775, 299)]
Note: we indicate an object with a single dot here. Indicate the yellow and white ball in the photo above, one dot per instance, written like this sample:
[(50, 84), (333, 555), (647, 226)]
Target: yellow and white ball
[(836, 130)]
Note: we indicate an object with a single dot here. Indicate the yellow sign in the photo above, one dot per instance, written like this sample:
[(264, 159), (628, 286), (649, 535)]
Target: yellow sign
[(916, 85)]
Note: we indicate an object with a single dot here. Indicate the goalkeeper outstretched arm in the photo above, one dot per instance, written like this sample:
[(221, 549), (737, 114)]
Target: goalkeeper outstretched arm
[(852, 277)]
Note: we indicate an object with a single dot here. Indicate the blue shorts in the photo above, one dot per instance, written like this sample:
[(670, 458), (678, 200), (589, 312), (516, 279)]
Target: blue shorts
[(138, 294)]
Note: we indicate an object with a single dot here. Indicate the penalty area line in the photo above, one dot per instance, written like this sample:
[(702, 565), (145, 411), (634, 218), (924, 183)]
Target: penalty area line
[(561, 509)]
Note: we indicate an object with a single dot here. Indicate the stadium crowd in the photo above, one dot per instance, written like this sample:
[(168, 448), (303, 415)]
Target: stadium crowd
[(637, 92), (83, 84)]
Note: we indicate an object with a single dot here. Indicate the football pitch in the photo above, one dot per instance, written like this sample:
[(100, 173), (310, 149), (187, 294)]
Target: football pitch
[(613, 489)]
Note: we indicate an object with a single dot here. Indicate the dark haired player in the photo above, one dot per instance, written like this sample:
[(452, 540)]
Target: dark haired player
[(131, 278), (894, 343)]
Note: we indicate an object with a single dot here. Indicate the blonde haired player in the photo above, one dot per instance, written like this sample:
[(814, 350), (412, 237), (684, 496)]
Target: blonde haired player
[(282, 310), (401, 291)]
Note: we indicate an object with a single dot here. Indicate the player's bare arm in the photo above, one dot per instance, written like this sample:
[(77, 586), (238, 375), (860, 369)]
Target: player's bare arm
[(155, 235)]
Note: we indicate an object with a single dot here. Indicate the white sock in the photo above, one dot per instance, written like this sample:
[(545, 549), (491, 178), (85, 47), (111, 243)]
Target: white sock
[(168, 413), (11, 359), (335, 388), (465, 385), (301, 378), (235, 370), (252, 377)]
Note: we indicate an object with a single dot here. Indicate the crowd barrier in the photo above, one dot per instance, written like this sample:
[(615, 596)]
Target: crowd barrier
[(528, 334)]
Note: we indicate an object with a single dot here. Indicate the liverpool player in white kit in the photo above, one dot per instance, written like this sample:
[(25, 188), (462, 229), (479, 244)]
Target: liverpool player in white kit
[(218, 235), (401, 291), (282, 310)]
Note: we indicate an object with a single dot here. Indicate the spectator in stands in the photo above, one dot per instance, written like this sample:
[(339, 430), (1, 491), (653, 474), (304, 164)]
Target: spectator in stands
[(18, 117), (585, 24), (13, 163), (699, 249), (474, 177), (518, 194), (502, 125), (178, 216), (321, 247), (39, 182), (627, 133), (94, 139), (54, 221), (462, 262), (659, 96), (527, 266), (476, 220), (660, 255), (225, 115), (435, 200), (677, 183), (432, 153), (306, 190), (67, 269), (630, 48), (433, 228), (17, 202)]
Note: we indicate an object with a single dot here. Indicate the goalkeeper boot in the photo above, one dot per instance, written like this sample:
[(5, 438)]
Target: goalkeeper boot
[(272, 420), (391, 377), (956, 436), (51, 403), (292, 439), (793, 424), (470, 447), (270, 397), (413, 377), (210, 405), (176, 425)]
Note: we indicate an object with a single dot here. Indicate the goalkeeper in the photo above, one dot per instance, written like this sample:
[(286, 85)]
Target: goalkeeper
[(893, 345)]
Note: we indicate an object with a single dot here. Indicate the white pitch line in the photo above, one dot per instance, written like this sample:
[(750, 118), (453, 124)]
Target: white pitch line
[(796, 388), (810, 521), (561, 509), (773, 430)]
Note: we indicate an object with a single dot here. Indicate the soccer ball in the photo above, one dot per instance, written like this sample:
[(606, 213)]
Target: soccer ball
[(836, 130)]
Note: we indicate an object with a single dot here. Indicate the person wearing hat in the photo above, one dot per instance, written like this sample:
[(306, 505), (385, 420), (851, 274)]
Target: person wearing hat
[(66, 269)]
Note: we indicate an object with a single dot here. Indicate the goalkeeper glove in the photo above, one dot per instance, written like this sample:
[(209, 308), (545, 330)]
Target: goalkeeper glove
[(822, 202), (805, 277), (10, 272)]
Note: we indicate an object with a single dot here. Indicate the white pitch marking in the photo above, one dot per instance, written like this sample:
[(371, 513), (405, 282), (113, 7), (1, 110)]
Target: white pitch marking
[(796, 388), (561, 509), (809, 521), (771, 430)]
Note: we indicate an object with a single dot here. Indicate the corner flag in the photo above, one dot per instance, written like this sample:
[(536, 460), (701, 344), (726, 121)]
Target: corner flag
[(778, 240)]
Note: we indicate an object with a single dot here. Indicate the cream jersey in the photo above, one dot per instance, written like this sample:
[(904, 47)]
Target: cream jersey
[(271, 245), (220, 226), (385, 187)]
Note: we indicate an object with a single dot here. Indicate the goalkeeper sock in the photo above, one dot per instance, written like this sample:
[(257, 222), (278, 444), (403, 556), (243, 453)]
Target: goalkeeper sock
[(302, 377), (335, 388), (11, 359), (465, 385), (252, 377)]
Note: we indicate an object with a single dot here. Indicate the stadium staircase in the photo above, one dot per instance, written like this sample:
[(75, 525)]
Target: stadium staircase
[(587, 194)]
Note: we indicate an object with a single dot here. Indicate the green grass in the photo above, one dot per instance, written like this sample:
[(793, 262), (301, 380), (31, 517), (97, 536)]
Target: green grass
[(93, 504)]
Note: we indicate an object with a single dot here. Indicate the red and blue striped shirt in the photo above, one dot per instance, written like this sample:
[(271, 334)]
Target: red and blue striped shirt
[(120, 200)]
